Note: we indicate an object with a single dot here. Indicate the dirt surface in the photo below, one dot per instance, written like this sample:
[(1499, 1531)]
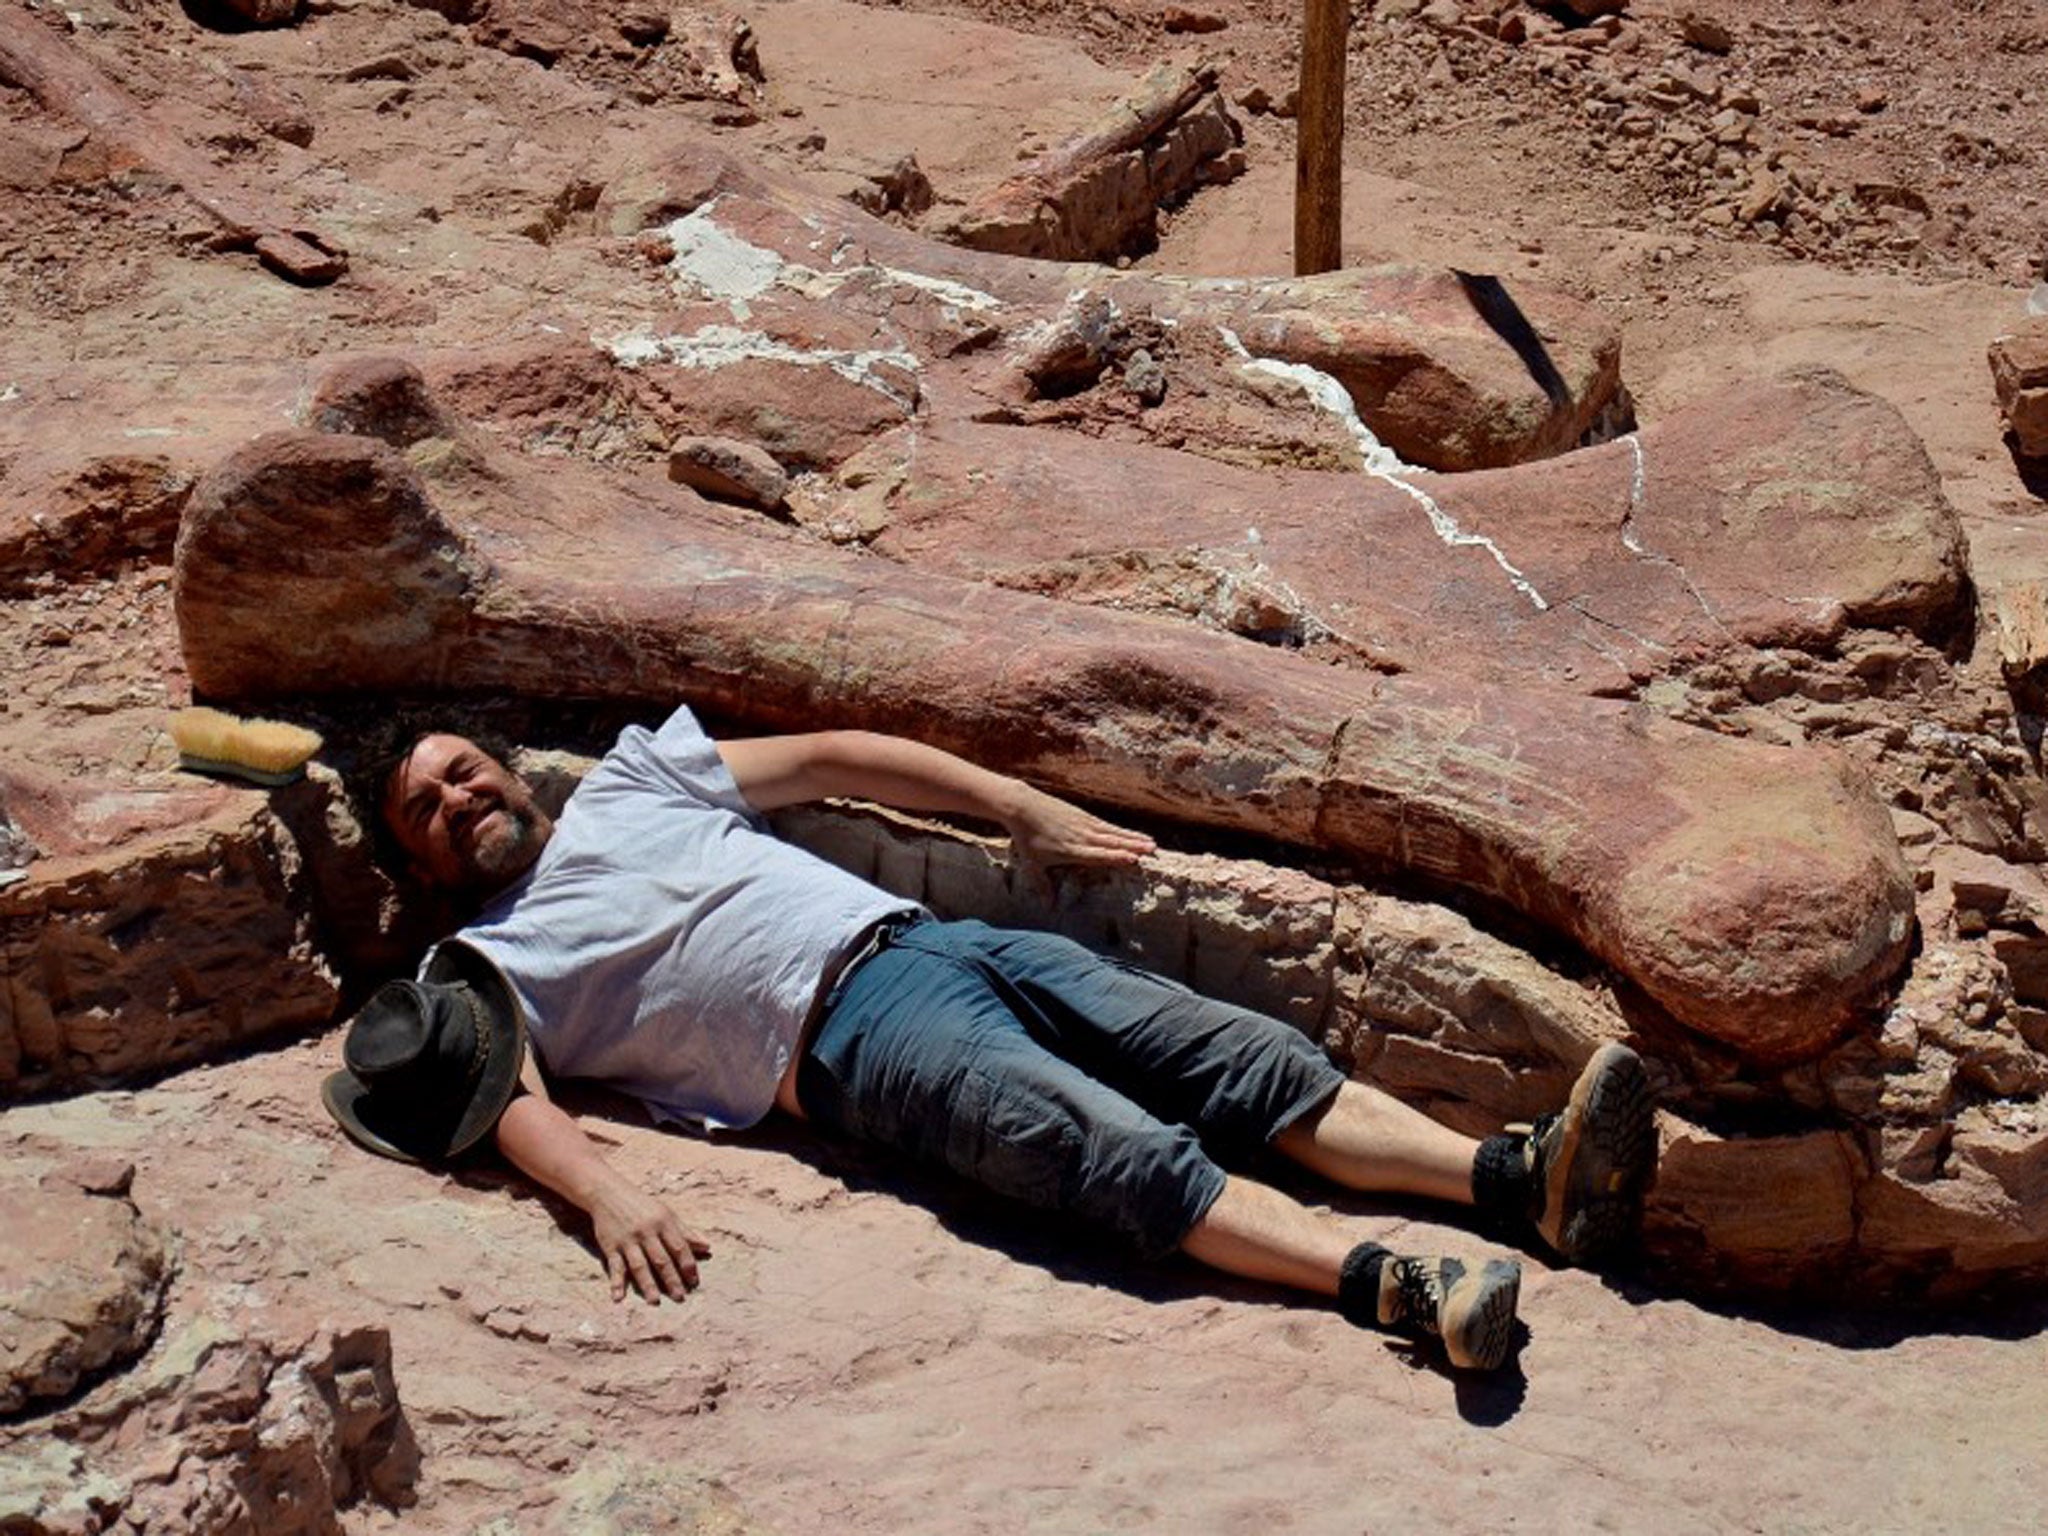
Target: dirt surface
[(884, 1354), (874, 1352)]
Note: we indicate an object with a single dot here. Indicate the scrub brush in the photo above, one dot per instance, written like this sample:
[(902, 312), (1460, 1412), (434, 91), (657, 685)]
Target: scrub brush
[(266, 752)]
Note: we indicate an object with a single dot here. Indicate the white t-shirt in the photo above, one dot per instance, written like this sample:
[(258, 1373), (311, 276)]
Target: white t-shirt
[(666, 943)]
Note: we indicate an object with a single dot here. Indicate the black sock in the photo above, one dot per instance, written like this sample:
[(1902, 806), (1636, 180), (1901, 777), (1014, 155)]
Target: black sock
[(1500, 1177), (1358, 1285)]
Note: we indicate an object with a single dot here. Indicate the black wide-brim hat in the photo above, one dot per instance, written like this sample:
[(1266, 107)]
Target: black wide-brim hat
[(429, 1065)]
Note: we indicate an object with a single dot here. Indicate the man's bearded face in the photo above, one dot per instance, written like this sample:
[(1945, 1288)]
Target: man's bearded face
[(468, 823)]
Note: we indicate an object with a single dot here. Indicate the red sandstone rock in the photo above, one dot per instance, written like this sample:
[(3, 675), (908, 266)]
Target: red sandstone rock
[(82, 1281), (759, 260), (1979, 1213), (250, 1423), (1756, 893), (1099, 196), (276, 109), (66, 82), (2019, 370), (728, 471), (86, 516), (1773, 1211), (159, 950)]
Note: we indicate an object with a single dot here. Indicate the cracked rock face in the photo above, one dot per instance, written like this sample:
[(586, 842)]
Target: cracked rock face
[(82, 1280), (774, 286), (155, 947), (228, 1426), (1780, 514)]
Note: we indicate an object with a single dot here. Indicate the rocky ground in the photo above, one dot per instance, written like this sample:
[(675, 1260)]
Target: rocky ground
[(1740, 189)]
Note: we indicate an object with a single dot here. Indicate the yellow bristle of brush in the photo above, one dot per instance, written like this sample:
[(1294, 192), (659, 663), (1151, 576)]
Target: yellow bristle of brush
[(267, 752)]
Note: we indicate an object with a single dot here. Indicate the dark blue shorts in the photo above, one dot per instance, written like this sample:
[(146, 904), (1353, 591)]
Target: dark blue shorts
[(1051, 1075)]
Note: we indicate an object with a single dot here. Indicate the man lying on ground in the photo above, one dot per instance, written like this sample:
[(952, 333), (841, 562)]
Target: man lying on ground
[(660, 940)]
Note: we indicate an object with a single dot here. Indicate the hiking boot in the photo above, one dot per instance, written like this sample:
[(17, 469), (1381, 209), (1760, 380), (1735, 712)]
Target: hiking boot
[(1590, 1164), (1471, 1309)]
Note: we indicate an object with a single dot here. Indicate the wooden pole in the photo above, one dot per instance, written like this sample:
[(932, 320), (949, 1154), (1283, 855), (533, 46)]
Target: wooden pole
[(1319, 139)]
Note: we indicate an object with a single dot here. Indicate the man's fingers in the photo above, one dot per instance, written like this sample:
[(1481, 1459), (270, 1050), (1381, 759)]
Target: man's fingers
[(687, 1245), (643, 1276), (675, 1284), (615, 1267)]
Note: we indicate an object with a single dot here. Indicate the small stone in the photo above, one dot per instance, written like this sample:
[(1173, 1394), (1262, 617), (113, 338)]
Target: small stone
[(1914, 831), (386, 66), (1705, 33), (643, 25), (725, 470), (1179, 18), (99, 1174), (1144, 378), (276, 110), (1872, 99), (82, 1279), (1764, 196), (891, 184)]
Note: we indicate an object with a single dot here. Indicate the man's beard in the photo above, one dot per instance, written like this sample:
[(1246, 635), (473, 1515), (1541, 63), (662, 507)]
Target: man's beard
[(502, 856)]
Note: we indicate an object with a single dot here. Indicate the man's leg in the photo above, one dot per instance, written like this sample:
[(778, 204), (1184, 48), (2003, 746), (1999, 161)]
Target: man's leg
[(1244, 1081), (1256, 1231), (933, 1052), (1577, 1177), (1368, 1140)]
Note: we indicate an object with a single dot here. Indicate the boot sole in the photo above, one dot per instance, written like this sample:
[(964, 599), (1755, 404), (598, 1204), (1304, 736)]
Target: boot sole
[(1478, 1317), (1609, 1158)]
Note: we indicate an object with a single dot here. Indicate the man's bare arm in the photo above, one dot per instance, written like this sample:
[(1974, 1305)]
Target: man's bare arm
[(774, 771), (640, 1239)]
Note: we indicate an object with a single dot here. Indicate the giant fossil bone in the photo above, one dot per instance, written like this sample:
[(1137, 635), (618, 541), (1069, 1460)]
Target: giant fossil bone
[(66, 82), (1450, 370), (1757, 893), (1775, 514)]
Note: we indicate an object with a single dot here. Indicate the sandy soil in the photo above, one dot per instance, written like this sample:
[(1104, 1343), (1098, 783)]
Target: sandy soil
[(884, 1354), (880, 1354)]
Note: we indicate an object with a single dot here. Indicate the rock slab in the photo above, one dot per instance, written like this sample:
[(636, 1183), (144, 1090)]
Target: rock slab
[(2019, 370), (232, 1424), (125, 960), (82, 1279)]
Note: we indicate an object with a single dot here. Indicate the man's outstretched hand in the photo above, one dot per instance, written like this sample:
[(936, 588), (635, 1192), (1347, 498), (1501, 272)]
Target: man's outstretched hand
[(645, 1245), (1048, 830), (640, 1239)]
